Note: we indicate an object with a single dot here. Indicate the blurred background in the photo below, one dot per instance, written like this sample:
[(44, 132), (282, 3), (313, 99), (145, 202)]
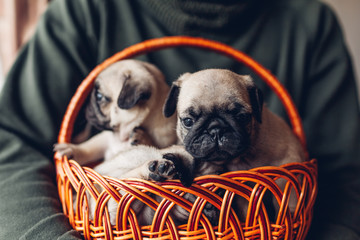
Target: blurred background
[(17, 21), (18, 18)]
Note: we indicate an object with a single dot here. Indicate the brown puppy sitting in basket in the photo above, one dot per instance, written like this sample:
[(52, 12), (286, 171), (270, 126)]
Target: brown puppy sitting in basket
[(224, 125)]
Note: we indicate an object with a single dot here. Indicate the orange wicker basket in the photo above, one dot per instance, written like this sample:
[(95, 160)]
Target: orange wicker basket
[(75, 181)]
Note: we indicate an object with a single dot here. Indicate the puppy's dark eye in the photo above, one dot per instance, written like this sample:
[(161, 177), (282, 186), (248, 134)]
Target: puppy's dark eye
[(188, 122)]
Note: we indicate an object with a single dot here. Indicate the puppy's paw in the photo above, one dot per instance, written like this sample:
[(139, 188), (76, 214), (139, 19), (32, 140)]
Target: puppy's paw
[(65, 149), (184, 169), (72, 151), (161, 170), (139, 136)]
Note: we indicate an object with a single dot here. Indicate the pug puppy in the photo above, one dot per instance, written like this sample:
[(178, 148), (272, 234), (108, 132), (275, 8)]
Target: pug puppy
[(126, 104), (224, 126)]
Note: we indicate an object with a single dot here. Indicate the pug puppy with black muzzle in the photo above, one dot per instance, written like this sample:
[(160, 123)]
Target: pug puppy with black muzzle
[(126, 104), (224, 126)]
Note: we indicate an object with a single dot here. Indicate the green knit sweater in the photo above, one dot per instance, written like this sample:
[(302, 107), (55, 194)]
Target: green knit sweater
[(299, 41)]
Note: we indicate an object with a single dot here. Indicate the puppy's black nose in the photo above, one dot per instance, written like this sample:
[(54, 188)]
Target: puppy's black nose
[(216, 128), (215, 133)]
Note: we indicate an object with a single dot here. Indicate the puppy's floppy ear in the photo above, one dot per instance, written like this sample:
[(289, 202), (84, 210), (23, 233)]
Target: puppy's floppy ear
[(131, 93), (256, 99), (172, 98)]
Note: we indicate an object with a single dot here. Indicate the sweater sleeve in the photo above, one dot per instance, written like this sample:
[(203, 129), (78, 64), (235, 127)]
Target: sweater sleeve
[(332, 121), (32, 103)]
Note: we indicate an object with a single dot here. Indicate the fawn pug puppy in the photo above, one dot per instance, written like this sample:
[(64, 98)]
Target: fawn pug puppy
[(224, 126), (126, 103)]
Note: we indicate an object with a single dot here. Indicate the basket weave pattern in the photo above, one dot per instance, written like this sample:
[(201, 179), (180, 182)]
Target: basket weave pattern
[(76, 184)]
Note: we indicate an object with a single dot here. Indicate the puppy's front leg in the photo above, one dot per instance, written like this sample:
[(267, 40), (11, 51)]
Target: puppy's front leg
[(160, 169), (183, 161), (86, 152), (150, 163)]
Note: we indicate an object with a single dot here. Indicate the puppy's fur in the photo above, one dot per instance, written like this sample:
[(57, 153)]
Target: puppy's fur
[(224, 126), (126, 103)]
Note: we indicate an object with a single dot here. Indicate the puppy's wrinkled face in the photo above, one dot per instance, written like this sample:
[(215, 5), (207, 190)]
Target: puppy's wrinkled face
[(122, 94), (217, 110)]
